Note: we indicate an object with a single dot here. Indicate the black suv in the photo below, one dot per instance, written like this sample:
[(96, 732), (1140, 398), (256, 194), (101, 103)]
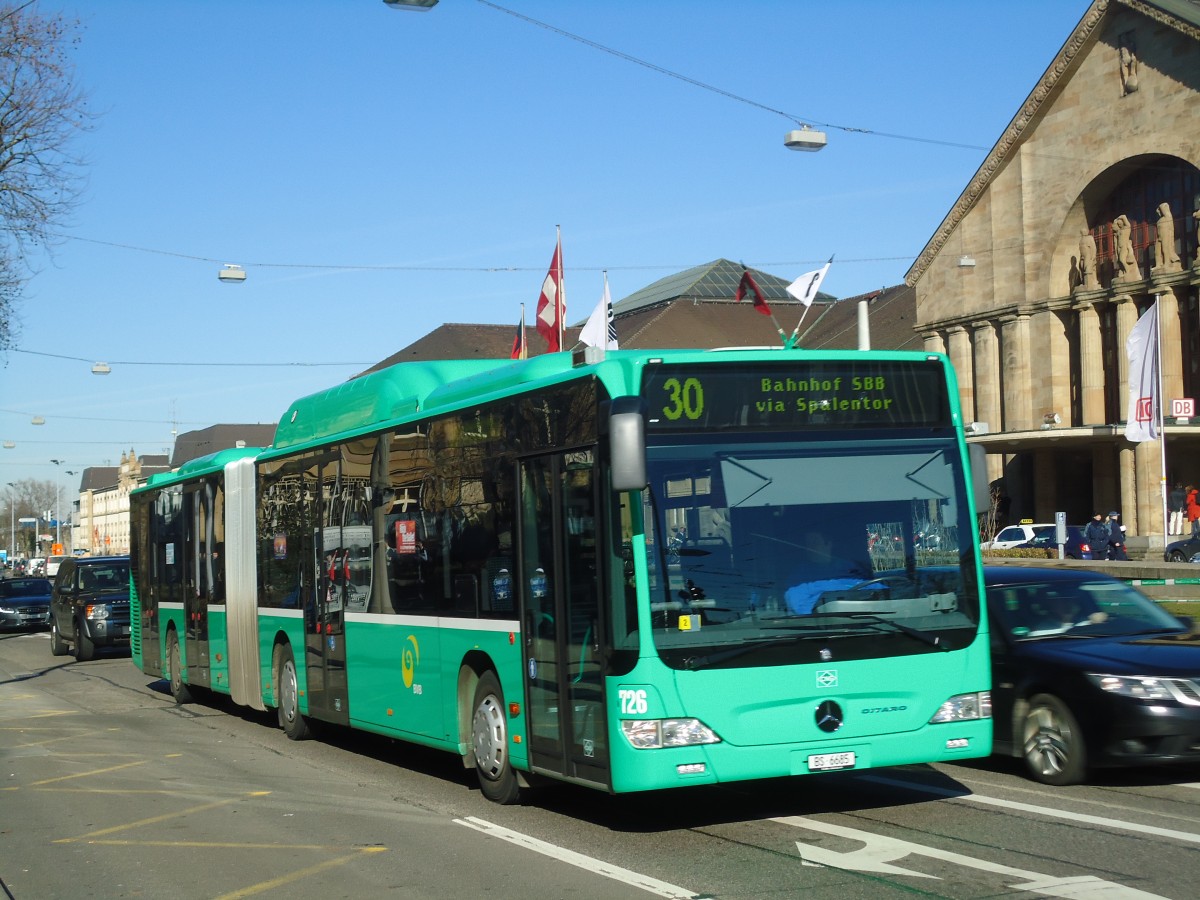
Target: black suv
[(89, 606)]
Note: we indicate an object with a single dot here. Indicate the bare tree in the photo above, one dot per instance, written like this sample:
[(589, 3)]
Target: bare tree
[(28, 498), (41, 109)]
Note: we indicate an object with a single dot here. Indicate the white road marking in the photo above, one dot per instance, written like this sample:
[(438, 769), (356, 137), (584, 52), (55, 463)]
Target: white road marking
[(1114, 824), (878, 853), (645, 882)]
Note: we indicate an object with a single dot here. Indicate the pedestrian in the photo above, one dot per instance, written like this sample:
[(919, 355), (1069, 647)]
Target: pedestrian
[(1097, 533), (1116, 537), (1193, 509), (1177, 502)]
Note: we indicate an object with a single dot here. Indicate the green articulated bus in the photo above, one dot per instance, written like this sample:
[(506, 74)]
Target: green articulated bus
[(634, 571)]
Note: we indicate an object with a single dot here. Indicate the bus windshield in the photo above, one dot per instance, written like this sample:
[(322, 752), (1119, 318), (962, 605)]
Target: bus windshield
[(787, 551)]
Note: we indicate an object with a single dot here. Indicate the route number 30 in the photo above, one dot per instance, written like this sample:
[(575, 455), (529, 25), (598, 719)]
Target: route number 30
[(684, 398), (633, 703)]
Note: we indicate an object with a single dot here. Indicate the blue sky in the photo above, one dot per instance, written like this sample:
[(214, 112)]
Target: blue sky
[(379, 173)]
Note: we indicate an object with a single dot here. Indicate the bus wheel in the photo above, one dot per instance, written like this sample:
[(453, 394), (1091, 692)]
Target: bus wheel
[(1053, 744), (84, 648), (489, 736), (290, 719), (179, 690), (58, 647)]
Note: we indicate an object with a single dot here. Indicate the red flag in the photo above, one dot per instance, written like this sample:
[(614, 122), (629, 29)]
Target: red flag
[(550, 312), (747, 284), (519, 348)]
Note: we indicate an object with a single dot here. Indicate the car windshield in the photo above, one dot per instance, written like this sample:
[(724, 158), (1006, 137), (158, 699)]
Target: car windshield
[(104, 578), (1087, 607), (764, 553)]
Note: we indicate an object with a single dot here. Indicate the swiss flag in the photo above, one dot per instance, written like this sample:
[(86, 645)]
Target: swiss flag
[(551, 307)]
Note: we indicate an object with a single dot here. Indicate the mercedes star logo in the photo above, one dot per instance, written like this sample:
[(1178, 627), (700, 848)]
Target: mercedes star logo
[(829, 716)]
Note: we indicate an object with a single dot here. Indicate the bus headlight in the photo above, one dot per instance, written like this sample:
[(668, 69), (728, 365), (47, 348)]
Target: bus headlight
[(964, 707), (654, 734)]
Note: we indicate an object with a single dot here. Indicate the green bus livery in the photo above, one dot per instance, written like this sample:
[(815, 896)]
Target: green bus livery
[(630, 571)]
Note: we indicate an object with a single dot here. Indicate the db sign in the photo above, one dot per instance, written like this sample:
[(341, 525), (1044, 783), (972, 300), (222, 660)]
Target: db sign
[(1183, 409)]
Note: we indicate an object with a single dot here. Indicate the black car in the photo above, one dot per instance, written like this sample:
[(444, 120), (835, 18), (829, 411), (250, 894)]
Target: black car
[(24, 603), (1187, 550), (1087, 672), (89, 605), (1046, 537)]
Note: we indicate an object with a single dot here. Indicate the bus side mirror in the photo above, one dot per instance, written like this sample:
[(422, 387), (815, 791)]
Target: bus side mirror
[(627, 443)]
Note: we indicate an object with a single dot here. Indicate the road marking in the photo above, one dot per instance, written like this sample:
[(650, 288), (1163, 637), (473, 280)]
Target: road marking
[(645, 882), (879, 852), (1114, 824), (141, 762), (297, 875), (153, 820)]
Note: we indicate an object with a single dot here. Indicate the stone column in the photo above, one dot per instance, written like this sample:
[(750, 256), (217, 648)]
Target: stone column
[(1091, 366), (1018, 399), (933, 342), (1105, 478), (1052, 392), (1172, 347), (1127, 317), (987, 375), (1127, 471), (1148, 471), (964, 370)]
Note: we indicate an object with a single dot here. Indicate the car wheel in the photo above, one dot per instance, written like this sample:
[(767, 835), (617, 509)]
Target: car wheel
[(84, 648), (1053, 743), (58, 647), (179, 689), (288, 695), (1177, 556), (489, 737)]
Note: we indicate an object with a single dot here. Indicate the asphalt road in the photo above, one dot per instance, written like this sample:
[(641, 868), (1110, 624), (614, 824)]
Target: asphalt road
[(108, 789)]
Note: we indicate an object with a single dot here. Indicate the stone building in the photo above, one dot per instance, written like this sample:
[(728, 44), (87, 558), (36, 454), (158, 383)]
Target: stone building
[(101, 516), (1081, 215)]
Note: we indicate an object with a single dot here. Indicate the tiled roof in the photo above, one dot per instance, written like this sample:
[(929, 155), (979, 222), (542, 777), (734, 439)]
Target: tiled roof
[(194, 444)]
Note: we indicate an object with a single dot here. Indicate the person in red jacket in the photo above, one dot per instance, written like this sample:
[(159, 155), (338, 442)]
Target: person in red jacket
[(1193, 509)]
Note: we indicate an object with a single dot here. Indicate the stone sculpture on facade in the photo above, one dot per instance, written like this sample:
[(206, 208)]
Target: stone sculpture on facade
[(1126, 259), (1165, 257), (1087, 261), (1129, 78)]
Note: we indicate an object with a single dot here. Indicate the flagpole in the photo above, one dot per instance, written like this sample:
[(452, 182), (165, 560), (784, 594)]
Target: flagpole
[(1162, 433), (562, 291)]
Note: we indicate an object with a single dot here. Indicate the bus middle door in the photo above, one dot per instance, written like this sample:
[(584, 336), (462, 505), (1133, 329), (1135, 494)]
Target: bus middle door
[(560, 587)]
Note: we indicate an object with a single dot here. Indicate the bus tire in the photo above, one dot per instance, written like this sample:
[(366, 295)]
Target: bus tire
[(58, 647), (179, 689), (84, 648), (288, 695), (489, 740), (1053, 744)]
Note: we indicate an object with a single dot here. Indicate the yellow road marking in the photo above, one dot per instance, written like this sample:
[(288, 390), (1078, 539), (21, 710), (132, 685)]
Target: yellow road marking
[(154, 819), (140, 762), (220, 845), (297, 875)]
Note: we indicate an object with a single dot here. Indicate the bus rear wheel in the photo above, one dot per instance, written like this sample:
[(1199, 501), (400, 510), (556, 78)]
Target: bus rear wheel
[(489, 738), (288, 694), (179, 690)]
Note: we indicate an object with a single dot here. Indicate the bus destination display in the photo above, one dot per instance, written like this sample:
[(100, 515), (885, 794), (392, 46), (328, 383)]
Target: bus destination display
[(796, 395)]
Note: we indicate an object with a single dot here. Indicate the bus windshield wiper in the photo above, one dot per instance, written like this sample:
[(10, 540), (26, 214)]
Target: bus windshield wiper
[(711, 659), (925, 637)]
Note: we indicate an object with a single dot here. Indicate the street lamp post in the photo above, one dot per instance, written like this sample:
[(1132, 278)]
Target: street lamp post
[(58, 506), (12, 521)]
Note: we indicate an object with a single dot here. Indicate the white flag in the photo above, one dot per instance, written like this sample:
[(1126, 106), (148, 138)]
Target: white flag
[(806, 286), (600, 331), (1144, 414)]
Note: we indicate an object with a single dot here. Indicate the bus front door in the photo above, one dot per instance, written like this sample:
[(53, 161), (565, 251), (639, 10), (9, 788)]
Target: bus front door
[(559, 583)]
